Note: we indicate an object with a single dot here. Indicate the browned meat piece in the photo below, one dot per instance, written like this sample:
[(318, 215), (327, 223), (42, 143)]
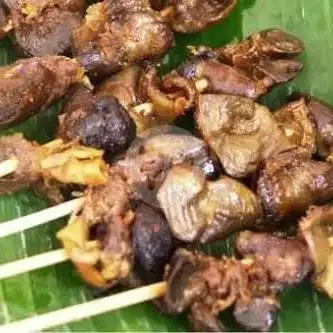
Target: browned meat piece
[(296, 122), (118, 34), (290, 182), (44, 27), (202, 210), (316, 228), (162, 100), (207, 286), (153, 243), (97, 121), (240, 132), (249, 68), (191, 16), (286, 260), (98, 238), (271, 43), (323, 118), (5, 23), (177, 146), (28, 168), (53, 162), (30, 85), (123, 86)]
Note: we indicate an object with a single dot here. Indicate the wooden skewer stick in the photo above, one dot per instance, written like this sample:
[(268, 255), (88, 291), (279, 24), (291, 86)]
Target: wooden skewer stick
[(89, 309), (7, 167), (32, 263), (39, 218)]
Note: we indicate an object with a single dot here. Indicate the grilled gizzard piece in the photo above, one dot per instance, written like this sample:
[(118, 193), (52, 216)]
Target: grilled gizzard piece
[(250, 68)]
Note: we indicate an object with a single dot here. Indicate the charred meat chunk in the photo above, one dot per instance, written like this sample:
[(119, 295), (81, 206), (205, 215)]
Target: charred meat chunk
[(97, 121), (52, 162), (34, 84), (189, 16), (323, 118), (290, 182), (202, 210), (287, 260), (153, 243), (240, 132), (207, 286), (296, 122), (5, 23), (44, 27), (114, 35), (97, 239), (250, 68), (316, 228)]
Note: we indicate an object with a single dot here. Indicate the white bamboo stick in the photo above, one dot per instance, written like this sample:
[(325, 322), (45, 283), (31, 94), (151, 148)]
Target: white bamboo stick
[(86, 310), (39, 218), (32, 263), (7, 167)]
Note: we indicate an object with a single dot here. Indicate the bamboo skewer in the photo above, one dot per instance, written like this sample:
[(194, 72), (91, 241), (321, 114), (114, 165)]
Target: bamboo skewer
[(7, 167), (32, 263), (89, 309), (39, 218)]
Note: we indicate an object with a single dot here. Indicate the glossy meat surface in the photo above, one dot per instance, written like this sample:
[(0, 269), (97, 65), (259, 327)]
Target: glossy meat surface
[(240, 132)]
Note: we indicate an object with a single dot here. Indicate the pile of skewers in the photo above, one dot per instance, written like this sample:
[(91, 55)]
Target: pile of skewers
[(142, 190)]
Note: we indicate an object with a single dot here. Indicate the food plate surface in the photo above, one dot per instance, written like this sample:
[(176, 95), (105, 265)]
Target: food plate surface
[(56, 287)]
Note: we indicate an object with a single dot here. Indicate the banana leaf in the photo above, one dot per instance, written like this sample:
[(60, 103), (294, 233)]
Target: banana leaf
[(302, 308)]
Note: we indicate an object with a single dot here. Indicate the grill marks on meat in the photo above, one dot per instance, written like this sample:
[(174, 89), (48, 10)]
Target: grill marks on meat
[(290, 182), (241, 133), (34, 84), (249, 68), (189, 16), (207, 286), (117, 35), (44, 27)]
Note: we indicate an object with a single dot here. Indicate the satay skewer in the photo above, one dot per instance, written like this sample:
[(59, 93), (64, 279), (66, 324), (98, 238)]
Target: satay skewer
[(42, 217), (89, 309)]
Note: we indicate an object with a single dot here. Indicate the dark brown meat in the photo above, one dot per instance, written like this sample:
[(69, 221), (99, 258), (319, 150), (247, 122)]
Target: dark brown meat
[(44, 27), (323, 118), (317, 230), (98, 239), (287, 261), (202, 210), (250, 68), (116, 35), (123, 86), (28, 168), (191, 16), (207, 286), (32, 85), (240, 132), (178, 146), (54, 162), (296, 122), (97, 121), (290, 182), (153, 243), (5, 24)]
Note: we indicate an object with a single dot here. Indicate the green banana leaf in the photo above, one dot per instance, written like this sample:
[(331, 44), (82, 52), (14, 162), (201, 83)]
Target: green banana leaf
[(302, 309)]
